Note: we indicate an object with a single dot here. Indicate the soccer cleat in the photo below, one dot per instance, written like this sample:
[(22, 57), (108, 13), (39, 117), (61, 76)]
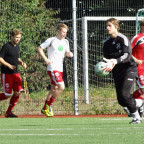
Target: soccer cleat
[(136, 121), (11, 115), (45, 112), (48, 112)]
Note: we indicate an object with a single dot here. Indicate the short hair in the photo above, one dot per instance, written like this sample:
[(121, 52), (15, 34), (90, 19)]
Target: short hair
[(15, 32), (115, 22), (61, 25), (142, 22)]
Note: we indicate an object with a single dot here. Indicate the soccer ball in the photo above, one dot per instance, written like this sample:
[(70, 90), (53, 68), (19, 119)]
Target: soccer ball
[(99, 69)]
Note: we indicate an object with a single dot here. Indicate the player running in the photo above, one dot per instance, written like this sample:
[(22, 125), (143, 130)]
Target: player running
[(117, 51), (11, 81), (57, 48), (137, 43)]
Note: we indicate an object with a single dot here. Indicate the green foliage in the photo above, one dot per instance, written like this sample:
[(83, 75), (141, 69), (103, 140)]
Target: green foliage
[(34, 20)]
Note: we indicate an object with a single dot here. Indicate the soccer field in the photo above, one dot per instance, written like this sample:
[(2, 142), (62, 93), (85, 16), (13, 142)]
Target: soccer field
[(70, 131)]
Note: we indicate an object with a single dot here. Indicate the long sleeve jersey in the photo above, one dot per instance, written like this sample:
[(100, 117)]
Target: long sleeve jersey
[(119, 48)]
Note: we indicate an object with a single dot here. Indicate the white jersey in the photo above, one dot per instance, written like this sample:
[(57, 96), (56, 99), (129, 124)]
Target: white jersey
[(56, 52)]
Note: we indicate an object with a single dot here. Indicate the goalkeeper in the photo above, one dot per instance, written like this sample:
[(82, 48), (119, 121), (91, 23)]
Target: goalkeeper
[(117, 51)]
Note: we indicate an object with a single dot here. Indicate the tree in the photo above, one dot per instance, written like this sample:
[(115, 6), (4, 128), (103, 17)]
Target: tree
[(36, 23)]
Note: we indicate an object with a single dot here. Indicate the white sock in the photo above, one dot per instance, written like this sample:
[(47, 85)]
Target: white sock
[(136, 115), (139, 102)]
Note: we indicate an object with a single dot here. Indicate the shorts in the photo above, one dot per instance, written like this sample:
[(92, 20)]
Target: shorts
[(140, 81), (56, 77), (11, 82)]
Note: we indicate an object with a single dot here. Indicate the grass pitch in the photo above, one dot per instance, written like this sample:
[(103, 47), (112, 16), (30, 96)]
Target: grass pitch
[(70, 131)]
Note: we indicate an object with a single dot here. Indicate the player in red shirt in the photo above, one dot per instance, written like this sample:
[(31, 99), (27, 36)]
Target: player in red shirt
[(137, 44), (10, 78)]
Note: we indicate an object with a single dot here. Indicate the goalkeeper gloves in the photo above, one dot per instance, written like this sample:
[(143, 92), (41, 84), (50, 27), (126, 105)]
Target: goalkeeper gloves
[(110, 63)]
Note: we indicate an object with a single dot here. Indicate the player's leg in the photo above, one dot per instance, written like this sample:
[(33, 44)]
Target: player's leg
[(47, 110), (6, 87), (56, 90), (127, 111), (7, 82), (57, 86), (123, 88), (13, 101), (139, 93), (17, 87)]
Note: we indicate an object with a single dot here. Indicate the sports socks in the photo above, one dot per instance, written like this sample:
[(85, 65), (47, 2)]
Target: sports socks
[(13, 101), (49, 102), (3, 96), (139, 102), (138, 94), (136, 115)]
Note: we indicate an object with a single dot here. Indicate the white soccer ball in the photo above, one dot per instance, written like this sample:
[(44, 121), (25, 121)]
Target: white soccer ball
[(99, 69)]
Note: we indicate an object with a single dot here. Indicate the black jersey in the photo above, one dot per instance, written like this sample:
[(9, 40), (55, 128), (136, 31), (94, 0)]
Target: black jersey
[(10, 54), (119, 48)]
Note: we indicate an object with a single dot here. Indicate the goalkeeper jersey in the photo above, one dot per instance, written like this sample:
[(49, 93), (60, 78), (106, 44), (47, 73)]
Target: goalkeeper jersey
[(119, 48)]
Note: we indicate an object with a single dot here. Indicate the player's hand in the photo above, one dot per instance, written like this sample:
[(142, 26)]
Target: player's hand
[(139, 62), (12, 67), (24, 65), (109, 67), (105, 60), (48, 61), (70, 54), (113, 61), (110, 64)]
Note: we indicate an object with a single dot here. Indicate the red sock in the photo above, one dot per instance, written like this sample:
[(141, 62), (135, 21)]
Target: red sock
[(52, 99), (13, 101), (46, 103), (138, 94), (3, 96), (50, 102)]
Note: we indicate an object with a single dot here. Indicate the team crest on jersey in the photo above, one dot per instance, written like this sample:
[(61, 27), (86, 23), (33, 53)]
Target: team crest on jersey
[(60, 48), (56, 74), (118, 46), (7, 85)]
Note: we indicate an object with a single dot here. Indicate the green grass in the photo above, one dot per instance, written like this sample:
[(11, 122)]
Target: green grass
[(70, 131)]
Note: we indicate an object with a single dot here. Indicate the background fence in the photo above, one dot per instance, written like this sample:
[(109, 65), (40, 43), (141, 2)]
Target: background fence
[(38, 20)]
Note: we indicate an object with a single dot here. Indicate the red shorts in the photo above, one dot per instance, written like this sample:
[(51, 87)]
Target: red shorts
[(11, 82), (140, 81), (56, 77)]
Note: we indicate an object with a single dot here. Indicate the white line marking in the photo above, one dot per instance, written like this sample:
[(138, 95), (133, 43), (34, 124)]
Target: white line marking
[(90, 134), (69, 129)]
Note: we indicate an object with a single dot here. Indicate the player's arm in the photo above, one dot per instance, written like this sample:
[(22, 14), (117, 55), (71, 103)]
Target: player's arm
[(68, 53), (22, 63), (138, 62), (3, 62), (43, 56)]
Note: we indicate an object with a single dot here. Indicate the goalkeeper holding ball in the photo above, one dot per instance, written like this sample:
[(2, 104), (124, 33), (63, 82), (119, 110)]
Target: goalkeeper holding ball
[(117, 51), (57, 48)]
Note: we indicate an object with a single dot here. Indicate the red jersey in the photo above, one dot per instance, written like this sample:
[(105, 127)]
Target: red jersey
[(137, 44)]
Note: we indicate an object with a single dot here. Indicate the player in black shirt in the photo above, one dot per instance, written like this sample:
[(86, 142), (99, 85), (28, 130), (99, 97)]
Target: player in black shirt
[(11, 81), (117, 51)]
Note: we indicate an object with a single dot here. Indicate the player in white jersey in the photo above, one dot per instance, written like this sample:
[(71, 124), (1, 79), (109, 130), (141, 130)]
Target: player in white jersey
[(57, 48)]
